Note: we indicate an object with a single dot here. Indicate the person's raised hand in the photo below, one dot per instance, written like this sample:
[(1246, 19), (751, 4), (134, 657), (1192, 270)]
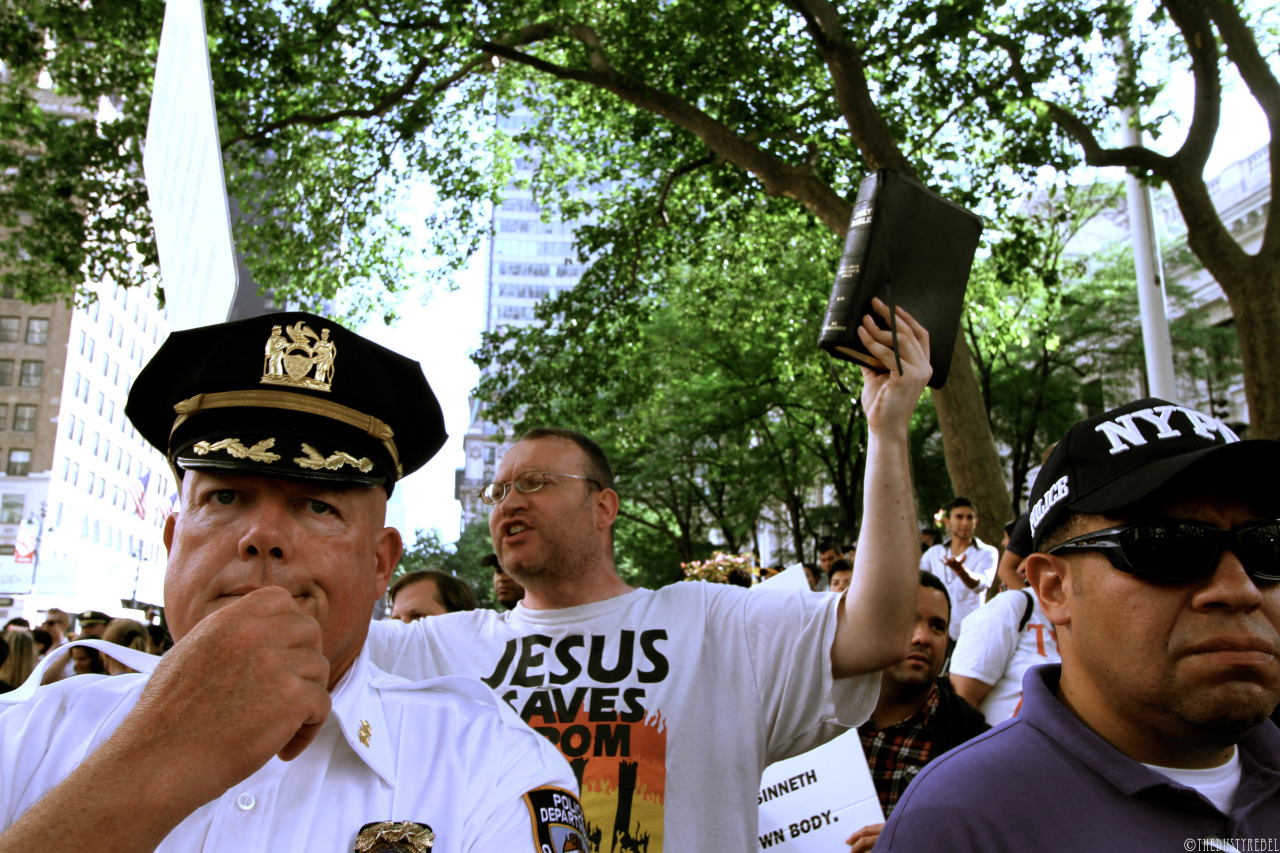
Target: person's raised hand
[(889, 399)]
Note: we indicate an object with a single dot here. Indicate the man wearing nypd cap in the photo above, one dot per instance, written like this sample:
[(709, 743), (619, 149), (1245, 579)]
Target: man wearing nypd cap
[(1157, 559), (266, 727)]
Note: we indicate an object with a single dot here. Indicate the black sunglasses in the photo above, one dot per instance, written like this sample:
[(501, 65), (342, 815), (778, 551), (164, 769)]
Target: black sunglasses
[(1179, 550)]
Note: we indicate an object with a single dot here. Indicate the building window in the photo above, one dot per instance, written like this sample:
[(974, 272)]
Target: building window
[(4, 414), (9, 328), (19, 463), (6, 371), (32, 374), (11, 507), (100, 400), (80, 433), (6, 550), (37, 330), (24, 418)]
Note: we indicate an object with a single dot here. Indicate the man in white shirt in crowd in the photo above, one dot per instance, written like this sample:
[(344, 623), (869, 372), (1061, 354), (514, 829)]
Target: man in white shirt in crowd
[(1002, 639), (669, 703), (965, 563)]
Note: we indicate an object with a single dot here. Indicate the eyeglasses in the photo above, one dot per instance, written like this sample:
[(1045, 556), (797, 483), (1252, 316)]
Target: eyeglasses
[(1178, 550), (526, 482)]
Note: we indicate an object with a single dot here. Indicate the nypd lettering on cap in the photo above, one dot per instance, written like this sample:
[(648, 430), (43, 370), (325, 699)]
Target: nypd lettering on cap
[(1125, 432), (1055, 494)]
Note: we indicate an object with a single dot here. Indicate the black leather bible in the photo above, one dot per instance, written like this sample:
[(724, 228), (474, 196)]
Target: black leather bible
[(912, 248)]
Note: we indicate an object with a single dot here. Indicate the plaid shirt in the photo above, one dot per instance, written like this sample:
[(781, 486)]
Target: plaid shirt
[(896, 753)]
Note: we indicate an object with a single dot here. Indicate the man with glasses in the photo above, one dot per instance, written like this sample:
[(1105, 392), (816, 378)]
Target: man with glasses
[(1157, 559), (669, 703)]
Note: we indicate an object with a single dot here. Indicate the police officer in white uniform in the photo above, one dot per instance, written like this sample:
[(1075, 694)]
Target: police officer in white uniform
[(266, 727)]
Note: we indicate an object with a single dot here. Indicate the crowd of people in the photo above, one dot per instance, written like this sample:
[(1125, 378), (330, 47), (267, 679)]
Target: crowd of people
[(24, 647), (1125, 659)]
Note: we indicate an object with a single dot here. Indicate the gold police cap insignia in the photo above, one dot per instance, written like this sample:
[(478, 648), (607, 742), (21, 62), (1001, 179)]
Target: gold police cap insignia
[(290, 362), (390, 836)]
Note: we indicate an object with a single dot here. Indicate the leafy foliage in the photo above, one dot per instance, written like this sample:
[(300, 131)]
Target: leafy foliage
[(461, 559)]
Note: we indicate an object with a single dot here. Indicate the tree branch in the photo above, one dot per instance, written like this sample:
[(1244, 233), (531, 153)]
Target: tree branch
[(1095, 154), (1242, 50), (389, 101), (779, 179), (866, 125), (1192, 20)]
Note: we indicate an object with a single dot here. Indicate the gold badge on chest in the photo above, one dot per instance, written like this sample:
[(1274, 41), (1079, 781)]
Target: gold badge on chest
[(296, 356), (395, 836)]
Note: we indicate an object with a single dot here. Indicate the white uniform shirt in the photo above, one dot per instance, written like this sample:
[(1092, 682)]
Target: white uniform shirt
[(993, 651), (668, 703), (979, 560), (445, 753)]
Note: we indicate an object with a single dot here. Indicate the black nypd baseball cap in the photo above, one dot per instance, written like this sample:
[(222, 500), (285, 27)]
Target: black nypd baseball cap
[(1120, 458), (290, 395)]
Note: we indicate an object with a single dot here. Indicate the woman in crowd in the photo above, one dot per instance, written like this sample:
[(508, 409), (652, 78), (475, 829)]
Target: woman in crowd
[(22, 657), (87, 661)]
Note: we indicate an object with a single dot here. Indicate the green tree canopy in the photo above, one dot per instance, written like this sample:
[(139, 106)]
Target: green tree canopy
[(328, 108)]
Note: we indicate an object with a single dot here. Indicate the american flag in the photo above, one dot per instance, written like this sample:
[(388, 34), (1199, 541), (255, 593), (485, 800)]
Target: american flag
[(137, 492), (170, 508)]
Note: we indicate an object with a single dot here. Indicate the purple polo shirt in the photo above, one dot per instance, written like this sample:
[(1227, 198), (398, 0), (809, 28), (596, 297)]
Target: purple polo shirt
[(1044, 781)]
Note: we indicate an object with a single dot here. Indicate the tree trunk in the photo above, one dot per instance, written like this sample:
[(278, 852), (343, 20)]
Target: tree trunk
[(1255, 303), (970, 450)]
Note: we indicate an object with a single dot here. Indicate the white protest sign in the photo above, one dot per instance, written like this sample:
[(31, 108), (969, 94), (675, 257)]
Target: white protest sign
[(811, 803), (792, 577), (183, 166)]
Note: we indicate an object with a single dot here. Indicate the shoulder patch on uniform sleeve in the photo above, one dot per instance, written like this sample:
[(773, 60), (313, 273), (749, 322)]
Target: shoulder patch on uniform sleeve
[(558, 822)]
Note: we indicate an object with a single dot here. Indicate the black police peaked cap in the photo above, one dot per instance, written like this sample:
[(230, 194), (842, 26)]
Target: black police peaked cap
[(287, 395)]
